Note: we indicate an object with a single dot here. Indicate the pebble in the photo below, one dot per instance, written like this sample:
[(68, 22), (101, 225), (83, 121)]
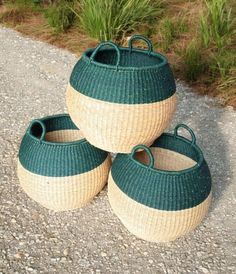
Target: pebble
[(204, 270), (66, 252), (18, 255), (63, 259), (30, 269)]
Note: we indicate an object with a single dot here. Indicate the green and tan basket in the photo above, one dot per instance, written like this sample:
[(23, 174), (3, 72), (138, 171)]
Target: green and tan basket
[(120, 97), (162, 192), (57, 167)]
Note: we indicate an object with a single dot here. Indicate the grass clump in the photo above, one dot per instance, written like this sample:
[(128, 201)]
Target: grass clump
[(113, 19), (227, 87), (217, 33), (60, 16), (17, 11), (194, 64), (168, 33), (216, 24), (170, 30), (223, 63)]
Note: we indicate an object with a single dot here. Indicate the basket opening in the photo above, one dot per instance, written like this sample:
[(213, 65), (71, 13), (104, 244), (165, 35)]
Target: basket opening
[(63, 136), (128, 59), (166, 159)]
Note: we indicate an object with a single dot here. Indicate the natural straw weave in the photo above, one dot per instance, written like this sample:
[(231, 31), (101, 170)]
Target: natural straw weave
[(152, 224), (64, 193), (57, 167), (63, 136), (163, 192), (119, 127), (121, 97)]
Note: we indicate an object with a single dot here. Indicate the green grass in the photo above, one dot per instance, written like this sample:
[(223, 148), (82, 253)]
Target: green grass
[(18, 10), (217, 35), (227, 87), (114, 19), (58, 13), (217, 24), (168, 33), (170, 30), (223, 63), (60, 16), (194, 65), (230, 81), (24, 5)]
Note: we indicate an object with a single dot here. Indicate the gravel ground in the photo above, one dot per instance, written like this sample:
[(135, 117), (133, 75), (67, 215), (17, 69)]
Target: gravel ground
[(33, 78)]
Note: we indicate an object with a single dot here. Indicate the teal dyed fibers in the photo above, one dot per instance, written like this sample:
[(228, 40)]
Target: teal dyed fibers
[(164, 190), (57, 159), (123, 75)]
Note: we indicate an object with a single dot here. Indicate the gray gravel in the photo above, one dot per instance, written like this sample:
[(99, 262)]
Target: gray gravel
[(33, 78)]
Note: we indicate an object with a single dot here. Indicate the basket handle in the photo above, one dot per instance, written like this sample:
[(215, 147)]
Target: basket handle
[(108, 43), (42, 128), (193, 141), (147, 150), (140, 37)]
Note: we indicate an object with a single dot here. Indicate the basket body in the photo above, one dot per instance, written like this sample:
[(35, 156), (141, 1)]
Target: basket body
[(166, 200), (58, 168), (119, 104)]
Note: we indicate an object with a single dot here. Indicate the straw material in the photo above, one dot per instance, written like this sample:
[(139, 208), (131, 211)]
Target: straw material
[(177, 179), (166, 159), (161, 192), (66, 135), (64, 193), (119, 127), (57, 167), (152, 224)]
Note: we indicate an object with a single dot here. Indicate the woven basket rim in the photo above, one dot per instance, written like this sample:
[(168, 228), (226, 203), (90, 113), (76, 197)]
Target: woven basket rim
[(49, 143), (86, 58), (171, 172)]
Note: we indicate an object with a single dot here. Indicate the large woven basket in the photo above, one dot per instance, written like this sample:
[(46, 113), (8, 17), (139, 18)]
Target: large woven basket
[(162, 192), (57, 167), (120, 97)]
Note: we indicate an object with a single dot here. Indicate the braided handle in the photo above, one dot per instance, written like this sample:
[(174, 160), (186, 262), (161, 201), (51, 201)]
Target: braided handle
[(108, 43), (193, 141), (147, 150), (140, 37), (37, 129)]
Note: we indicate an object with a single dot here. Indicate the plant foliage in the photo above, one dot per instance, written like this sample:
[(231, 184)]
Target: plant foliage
[(113, 19)]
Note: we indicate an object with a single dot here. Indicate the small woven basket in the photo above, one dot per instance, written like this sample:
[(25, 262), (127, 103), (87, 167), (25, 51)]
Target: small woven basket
[(121, 97), (57, 167), (162, 192)]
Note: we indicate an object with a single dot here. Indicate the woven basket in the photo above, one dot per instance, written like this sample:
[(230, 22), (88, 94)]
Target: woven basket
[(162, 192), (57, 167), (121, 97)]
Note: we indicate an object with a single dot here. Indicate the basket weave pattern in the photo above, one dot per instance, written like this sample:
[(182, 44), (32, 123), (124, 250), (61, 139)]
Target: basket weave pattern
[(120, 97), (119, 127), (161, 192), (64, 193), (151, 224), (57, 167), (121, 100)]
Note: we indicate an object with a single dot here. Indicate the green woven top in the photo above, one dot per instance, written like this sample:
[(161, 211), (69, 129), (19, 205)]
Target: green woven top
[(123, 75), (164, 190), (54, 158)]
